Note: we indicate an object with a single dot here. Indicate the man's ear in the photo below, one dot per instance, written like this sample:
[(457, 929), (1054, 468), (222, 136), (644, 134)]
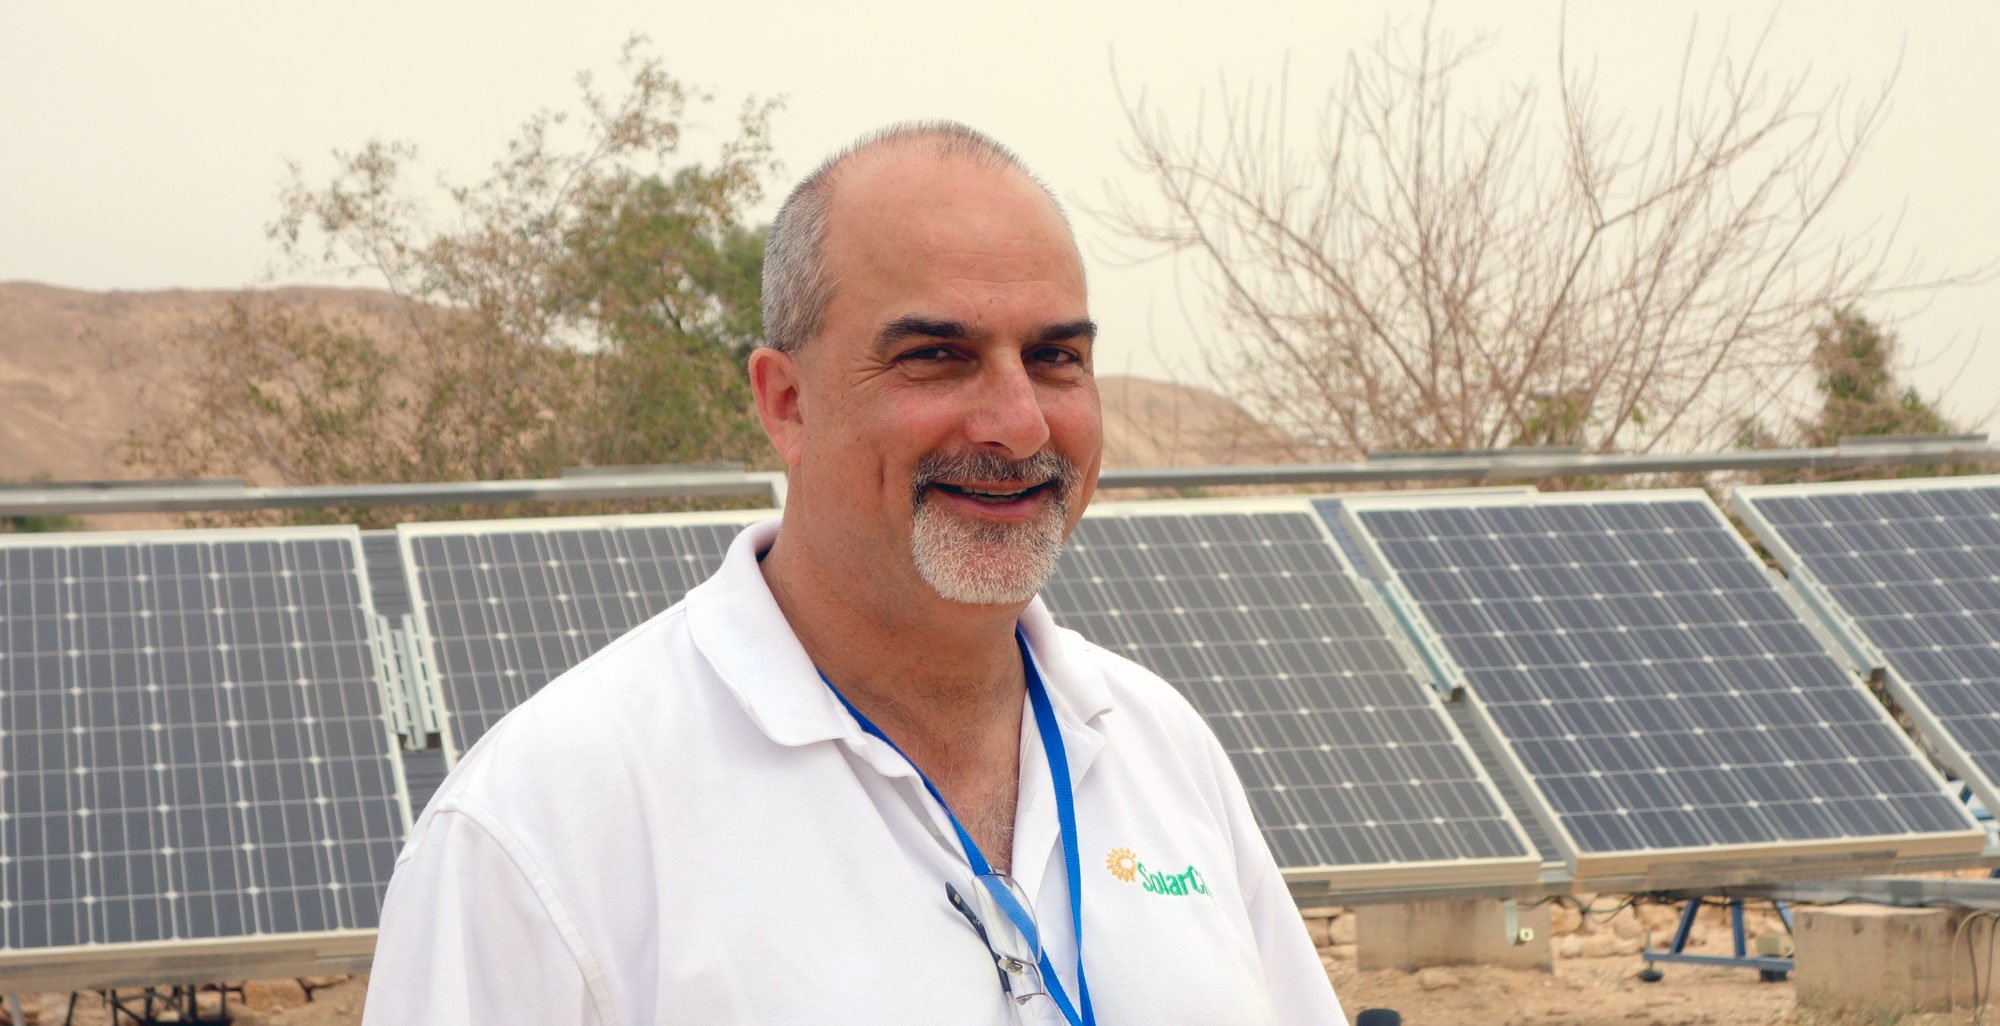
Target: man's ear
[(774, 381)]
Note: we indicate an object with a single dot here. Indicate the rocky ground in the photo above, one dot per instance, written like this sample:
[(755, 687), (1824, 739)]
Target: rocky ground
[(1595, 983)]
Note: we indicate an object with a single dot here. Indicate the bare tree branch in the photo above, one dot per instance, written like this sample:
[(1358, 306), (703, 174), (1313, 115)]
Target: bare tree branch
[(1425, 273)]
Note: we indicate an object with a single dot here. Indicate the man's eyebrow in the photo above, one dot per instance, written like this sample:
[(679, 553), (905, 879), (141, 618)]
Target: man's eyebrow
[(906, 326), (927, 327), (1084, 328)]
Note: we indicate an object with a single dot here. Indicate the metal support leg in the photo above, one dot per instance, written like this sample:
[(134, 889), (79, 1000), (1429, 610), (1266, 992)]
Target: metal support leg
[(1686, 926), (1769, 968)]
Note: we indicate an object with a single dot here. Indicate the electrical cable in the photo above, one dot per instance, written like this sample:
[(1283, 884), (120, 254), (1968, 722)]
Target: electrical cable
[(1967, 930)]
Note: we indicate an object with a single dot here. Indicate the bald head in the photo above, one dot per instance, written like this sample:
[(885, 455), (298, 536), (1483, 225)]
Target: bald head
[(799, 277)]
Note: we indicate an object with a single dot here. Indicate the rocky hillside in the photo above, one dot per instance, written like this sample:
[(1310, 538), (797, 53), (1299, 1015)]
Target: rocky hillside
[(80, 371)]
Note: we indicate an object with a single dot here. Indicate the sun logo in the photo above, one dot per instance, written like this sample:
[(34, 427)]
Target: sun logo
[(1123, 864)]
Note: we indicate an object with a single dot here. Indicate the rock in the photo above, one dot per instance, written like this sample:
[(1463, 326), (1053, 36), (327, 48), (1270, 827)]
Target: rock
[(1342, 952), (1316, 929), (1628, 927), (1436, 979), (1605, 945), (1777, 944), (1660, 918), (273, 995), (1564, 920), (1340, 929), (1569, 947)]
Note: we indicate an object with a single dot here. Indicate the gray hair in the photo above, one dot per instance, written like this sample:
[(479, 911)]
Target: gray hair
[(797, 282)]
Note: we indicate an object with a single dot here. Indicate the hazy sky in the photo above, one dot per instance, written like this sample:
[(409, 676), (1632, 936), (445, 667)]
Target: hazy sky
[(141, 145)]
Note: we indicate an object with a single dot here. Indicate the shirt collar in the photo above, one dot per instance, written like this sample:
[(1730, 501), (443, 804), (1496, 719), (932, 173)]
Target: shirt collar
[(739, 629)]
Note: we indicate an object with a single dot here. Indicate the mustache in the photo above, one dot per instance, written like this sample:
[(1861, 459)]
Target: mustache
[(1054, 469)]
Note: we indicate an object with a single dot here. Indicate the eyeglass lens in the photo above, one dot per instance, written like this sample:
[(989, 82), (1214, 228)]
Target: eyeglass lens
[(1015, 952)]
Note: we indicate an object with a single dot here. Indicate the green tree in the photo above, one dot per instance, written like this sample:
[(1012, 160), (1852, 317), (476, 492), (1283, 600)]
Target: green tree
[(1853, 364), (1859, 392), (588, 303)]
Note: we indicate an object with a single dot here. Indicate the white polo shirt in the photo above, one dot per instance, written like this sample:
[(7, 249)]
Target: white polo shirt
[(688, 828)]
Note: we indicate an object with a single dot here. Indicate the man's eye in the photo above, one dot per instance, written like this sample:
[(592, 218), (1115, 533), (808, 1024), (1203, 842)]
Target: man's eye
[(928, 354), (1054, 355)]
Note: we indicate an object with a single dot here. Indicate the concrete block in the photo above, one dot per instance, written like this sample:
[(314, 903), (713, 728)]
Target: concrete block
[(1875, 961), (1431, 933)]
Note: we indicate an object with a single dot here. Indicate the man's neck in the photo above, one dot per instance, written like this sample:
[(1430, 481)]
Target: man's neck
[(944, 681), (926, 665)]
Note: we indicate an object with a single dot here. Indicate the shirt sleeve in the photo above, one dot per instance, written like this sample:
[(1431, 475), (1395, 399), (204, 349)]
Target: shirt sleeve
[(467, 938), (1301, 992)]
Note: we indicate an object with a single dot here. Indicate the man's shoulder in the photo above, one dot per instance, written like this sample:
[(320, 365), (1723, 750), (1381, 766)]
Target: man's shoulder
[(616, 706)]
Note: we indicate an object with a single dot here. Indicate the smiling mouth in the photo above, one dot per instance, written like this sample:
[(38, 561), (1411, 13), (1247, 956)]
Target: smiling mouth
[(994, 495), (1009, 487)]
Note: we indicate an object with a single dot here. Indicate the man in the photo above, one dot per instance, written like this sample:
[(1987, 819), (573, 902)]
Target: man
[(859, 776)]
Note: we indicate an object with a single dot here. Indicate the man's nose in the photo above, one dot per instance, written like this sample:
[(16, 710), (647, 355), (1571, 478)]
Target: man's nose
[(1007, 412)]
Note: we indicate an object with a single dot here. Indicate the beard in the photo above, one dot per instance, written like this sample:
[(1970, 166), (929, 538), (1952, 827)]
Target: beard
[(980, 562)]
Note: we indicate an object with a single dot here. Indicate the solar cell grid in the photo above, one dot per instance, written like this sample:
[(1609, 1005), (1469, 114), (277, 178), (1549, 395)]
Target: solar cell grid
[(192, 740), (1916, 566), (1348, 760), (1655, 687), (508, 606)]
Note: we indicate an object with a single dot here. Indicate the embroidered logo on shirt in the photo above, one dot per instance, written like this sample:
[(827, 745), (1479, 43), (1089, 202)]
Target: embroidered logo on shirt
[(1127, 867)]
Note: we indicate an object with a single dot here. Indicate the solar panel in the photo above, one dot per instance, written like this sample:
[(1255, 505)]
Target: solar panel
[(1353, 771), (1343, 536), (507, 605), (192, 742), (1658, 693), (1912, 569)]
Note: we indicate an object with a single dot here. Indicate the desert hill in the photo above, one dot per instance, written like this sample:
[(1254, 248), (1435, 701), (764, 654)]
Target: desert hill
[(79, 371)]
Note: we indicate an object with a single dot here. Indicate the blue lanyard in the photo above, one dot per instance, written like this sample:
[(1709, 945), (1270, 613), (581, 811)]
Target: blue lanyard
[(1052, 747)]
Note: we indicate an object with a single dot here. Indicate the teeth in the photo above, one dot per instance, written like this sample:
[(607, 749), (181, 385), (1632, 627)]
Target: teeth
[(987, 494)]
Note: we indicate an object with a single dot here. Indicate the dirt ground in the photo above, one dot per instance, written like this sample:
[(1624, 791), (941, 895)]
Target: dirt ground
[(1596, 978), (1595, 983), (1592, 992)]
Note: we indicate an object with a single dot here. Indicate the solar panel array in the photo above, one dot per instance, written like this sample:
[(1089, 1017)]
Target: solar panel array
[(1916, 568), (509, 605), (1658, 691), (1347, 758), (192, 739)]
